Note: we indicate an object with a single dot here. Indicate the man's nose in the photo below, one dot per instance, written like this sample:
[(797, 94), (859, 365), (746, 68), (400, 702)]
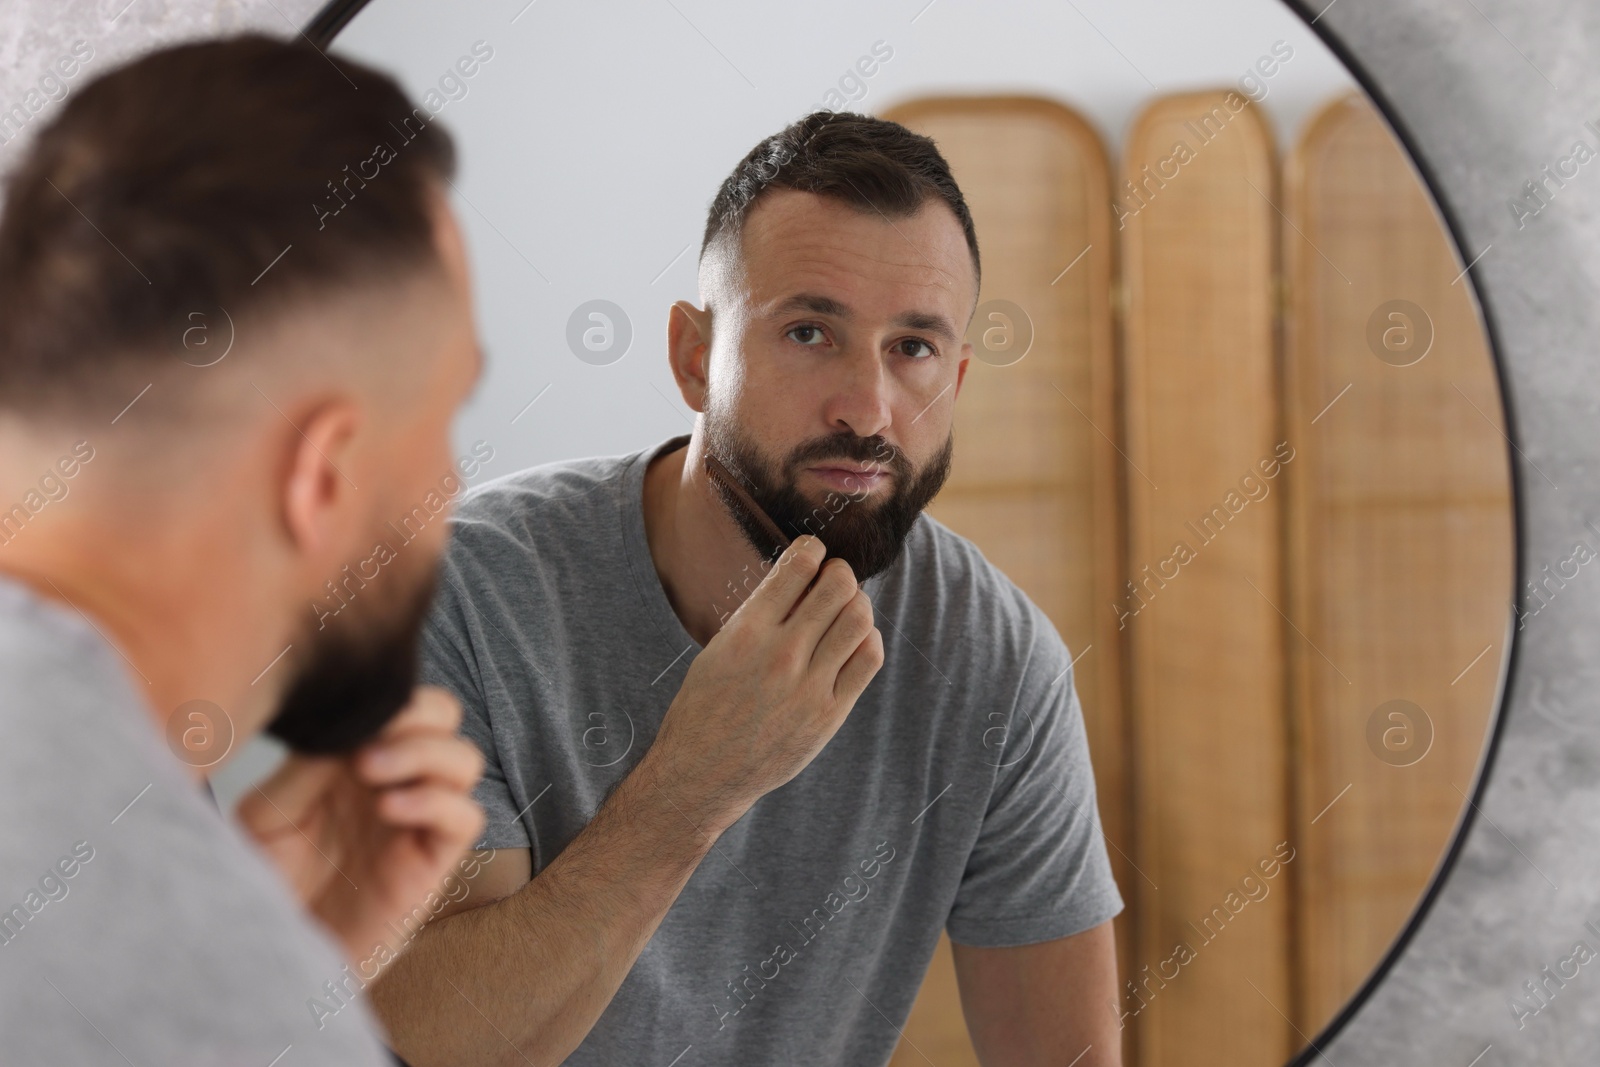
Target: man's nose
[(860, 399)]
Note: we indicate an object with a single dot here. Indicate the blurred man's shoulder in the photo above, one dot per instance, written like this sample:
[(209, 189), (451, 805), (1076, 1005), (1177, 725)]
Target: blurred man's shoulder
[(130, 899)]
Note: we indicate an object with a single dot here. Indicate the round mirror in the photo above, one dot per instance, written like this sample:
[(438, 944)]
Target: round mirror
[(1232, 423)]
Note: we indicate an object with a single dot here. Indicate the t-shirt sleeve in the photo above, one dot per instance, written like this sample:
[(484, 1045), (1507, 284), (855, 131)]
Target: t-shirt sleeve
[(1039, 869), (448, 659)]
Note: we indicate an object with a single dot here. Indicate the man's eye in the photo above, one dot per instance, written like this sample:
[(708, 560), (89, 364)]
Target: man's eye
[(806, 335), (910, 345)]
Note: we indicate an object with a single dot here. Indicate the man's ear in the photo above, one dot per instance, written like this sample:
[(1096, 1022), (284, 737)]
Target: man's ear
[(320, 509), (961, 368), (688, 348)]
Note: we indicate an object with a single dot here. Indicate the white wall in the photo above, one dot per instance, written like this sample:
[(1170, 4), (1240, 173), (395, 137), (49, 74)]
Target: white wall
[(594, 139)]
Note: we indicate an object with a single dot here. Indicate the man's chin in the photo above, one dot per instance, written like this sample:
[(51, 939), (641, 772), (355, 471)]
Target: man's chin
[(820, 490), (829, 508), (334, 708), (354, 681)]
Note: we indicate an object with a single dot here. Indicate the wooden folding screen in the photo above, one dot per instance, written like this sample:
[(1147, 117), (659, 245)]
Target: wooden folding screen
[(1278, 505), (1034, 481), (1402, 542), (1204, 628)]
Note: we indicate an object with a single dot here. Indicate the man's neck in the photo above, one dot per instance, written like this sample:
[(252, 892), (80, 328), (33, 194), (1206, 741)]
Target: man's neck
[(705, 565), (164, 610)]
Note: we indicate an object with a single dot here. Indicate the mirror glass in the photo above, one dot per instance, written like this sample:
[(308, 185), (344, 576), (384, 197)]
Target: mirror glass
[(1232, 422)]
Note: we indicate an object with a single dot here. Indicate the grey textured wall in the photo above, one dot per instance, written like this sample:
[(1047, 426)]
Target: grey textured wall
[(1492, 91), (34, 34)]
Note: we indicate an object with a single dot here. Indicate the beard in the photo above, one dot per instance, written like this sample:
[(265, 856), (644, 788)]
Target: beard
[(869, 536), (357, 677)]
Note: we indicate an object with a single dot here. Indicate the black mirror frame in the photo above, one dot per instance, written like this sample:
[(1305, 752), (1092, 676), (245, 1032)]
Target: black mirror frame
[(336, 14)]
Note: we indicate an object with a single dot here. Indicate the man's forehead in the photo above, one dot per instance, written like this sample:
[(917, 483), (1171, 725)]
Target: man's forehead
[(796, 242)]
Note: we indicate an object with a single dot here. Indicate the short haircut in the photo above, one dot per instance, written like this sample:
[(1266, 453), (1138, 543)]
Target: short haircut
[(874, 164), (246, 173)]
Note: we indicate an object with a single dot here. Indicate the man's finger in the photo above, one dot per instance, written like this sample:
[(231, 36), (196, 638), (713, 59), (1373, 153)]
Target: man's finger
[(786, 581), (859, 669), (450, 815), (819, 606), (296, 782), (449, 761), (847, 626), (431, 709)]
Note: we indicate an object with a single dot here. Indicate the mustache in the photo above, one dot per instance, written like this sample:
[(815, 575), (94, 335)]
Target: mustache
[(875, 450)]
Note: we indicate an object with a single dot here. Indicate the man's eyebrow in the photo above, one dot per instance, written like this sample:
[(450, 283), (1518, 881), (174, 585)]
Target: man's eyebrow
[(927, 323), (817, 304), (814, 303)]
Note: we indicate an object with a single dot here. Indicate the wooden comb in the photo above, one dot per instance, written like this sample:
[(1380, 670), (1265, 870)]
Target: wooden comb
[(724, 477)]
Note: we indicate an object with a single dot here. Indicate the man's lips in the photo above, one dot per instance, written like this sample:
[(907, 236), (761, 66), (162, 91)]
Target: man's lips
[(850, 478)]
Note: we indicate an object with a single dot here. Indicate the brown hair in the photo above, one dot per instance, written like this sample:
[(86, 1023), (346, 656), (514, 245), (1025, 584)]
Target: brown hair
[(872, 163), (242, 174)]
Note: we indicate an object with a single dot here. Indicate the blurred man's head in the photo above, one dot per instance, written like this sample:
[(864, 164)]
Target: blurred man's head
[(840, 271), (230, 266)]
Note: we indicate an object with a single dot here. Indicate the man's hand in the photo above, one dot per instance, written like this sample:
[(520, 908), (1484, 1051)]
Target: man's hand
[(771, 688), (756, 705), (363, 839)]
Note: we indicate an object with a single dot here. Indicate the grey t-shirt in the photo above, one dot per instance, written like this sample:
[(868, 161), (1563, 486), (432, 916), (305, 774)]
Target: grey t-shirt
[(958, 794), (136, 925)]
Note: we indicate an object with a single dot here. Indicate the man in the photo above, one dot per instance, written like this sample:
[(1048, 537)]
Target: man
[(839, 270), (225, 466)]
